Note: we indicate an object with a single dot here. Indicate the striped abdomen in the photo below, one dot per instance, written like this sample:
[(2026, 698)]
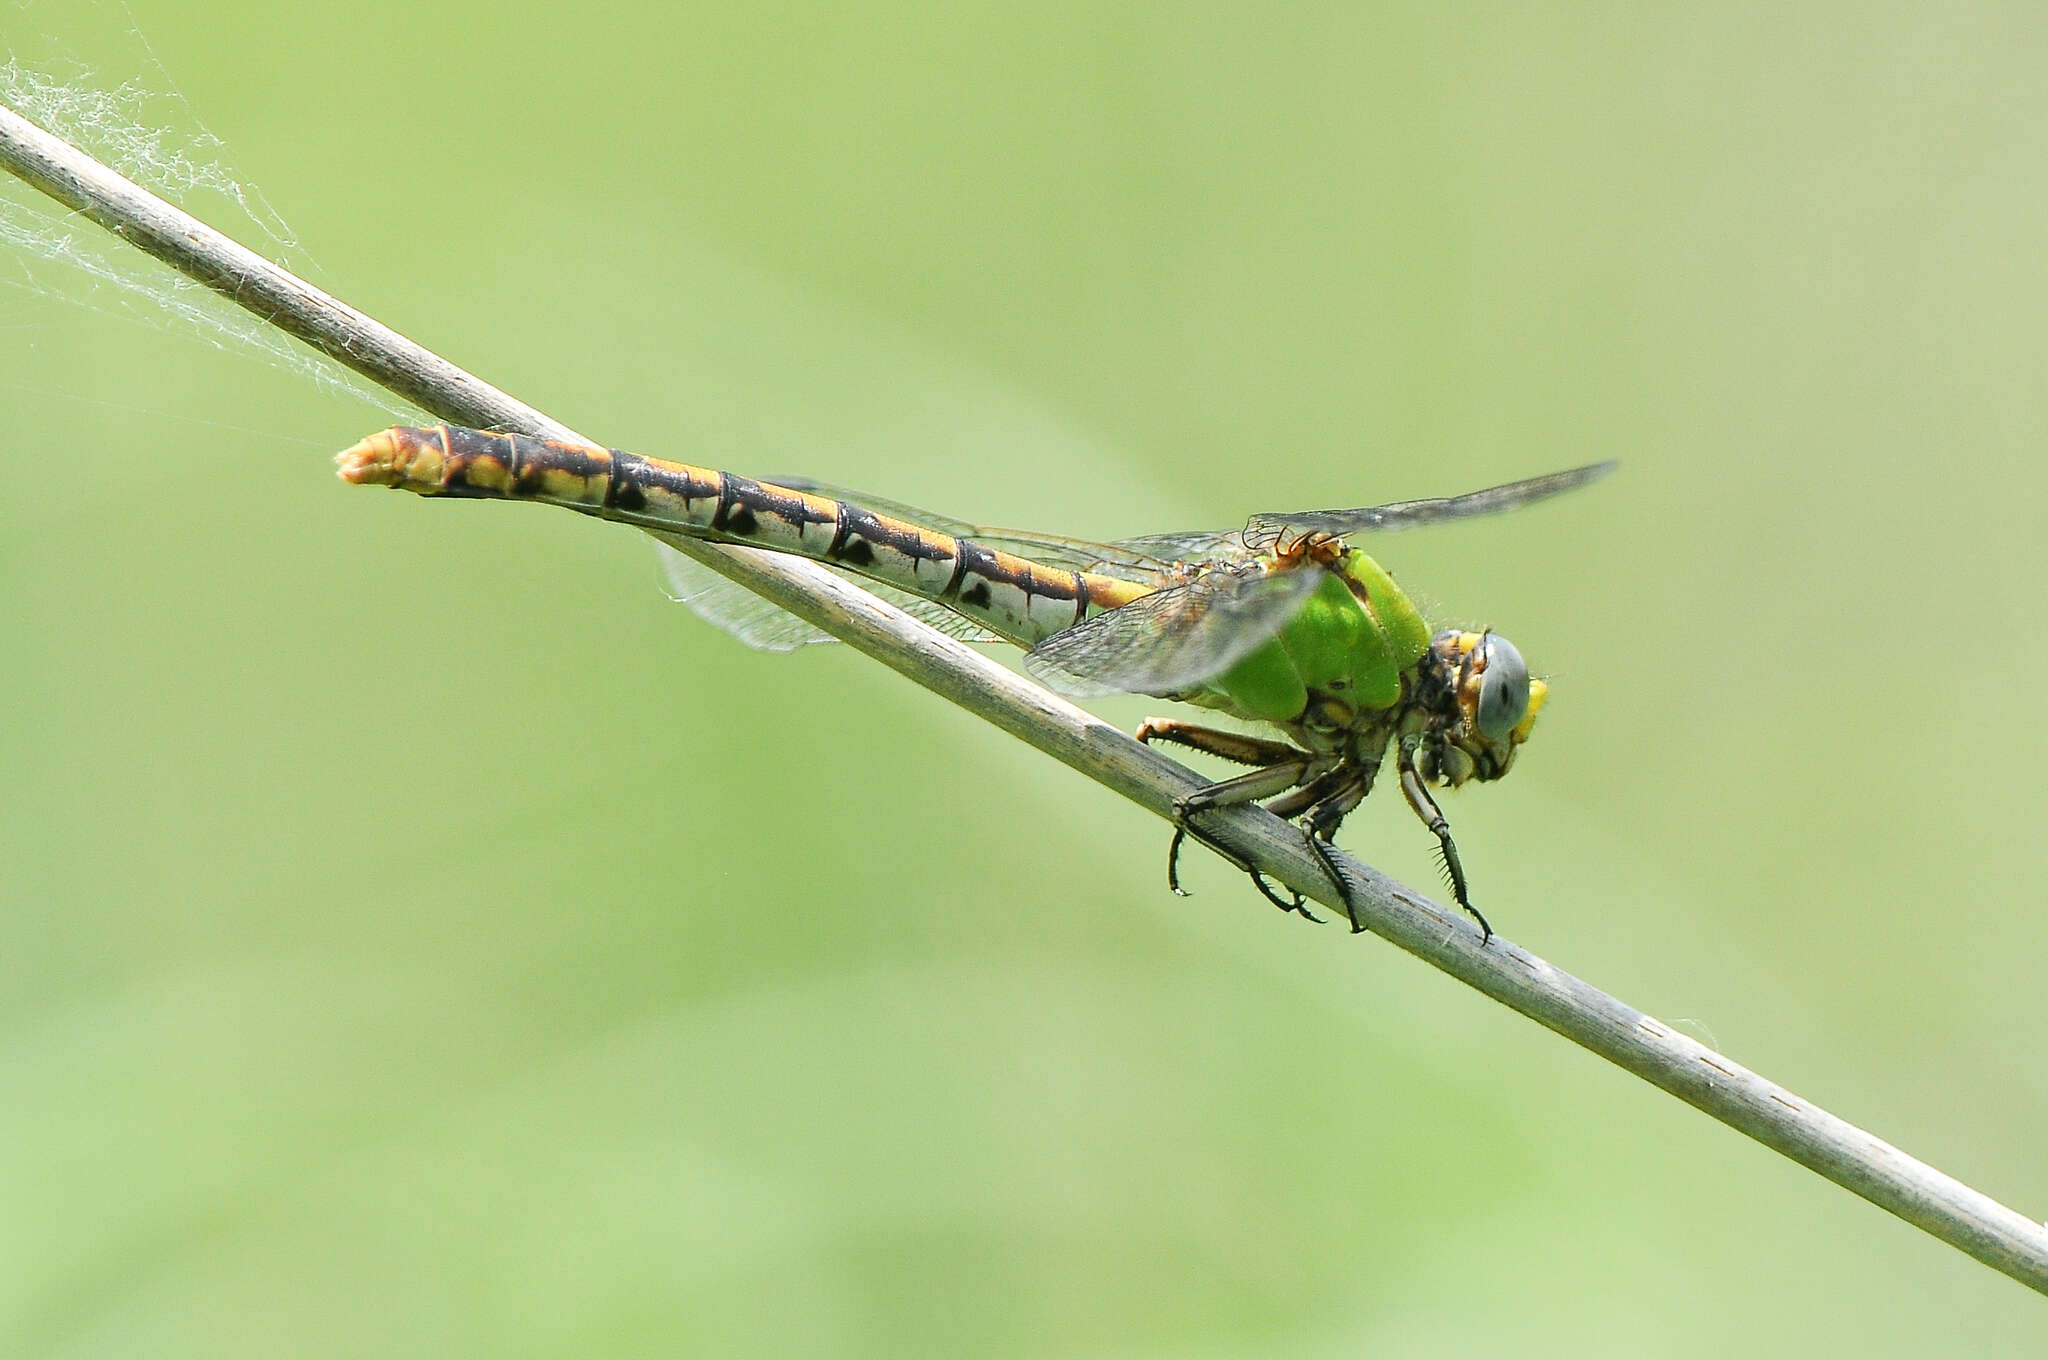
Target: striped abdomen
[(1011, 596)]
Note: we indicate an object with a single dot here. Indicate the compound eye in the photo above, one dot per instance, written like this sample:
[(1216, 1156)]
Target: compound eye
[(1503, 688)]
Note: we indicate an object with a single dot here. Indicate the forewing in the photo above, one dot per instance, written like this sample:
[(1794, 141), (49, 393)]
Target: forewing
[(945, 524), (1120, 560), (1266, 529), (768, 627), (1172, 640), (1054, 550), (1196, 546)]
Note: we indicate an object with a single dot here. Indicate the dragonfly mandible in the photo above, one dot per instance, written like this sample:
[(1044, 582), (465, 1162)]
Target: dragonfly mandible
[(1282, 622)]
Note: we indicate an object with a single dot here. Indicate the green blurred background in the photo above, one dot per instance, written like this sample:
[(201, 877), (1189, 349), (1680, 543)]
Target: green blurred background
[(417, 937)]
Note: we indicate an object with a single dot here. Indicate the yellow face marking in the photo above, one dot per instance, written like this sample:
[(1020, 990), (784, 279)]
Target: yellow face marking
[(1468, 737), (1538, 692)]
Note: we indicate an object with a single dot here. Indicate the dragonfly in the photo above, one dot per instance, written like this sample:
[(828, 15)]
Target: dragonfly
[(1282, 623)]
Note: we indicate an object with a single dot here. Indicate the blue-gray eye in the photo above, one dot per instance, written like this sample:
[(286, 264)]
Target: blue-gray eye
[(1503, 688)]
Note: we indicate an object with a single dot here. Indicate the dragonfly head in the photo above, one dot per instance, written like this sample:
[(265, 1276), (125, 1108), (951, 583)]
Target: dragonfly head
[(1489, 708)]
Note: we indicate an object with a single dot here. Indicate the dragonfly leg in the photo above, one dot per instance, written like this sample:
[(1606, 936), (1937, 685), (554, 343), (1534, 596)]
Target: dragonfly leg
[(1251, 871), (1417, 794), (1246, 788), (1319, 829), (1233, 746), (1298, 800)]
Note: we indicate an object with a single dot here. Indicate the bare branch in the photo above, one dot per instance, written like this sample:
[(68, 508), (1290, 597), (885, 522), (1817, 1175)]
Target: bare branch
[(1838, 1150)]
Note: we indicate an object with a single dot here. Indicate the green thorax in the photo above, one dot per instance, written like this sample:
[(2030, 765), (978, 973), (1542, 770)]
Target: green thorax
[(1350, 643)]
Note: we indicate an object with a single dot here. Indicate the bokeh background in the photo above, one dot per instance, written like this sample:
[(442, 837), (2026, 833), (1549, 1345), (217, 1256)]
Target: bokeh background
[(418, 937)]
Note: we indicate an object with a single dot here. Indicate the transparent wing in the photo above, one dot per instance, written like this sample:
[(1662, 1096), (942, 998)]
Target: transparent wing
[(1054, 550), (767, 627), (1200, 545), (1263, 530), (761, 625), (1170, 641), (945, 524), (1119, 559)]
